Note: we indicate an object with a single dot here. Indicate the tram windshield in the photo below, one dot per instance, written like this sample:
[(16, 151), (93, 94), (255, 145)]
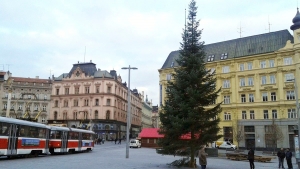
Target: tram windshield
[(55, 134)]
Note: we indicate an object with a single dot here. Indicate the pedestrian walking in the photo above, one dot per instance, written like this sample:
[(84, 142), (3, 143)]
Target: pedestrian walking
[(281, 156), (120, 141), (202, 158), (116, 140), (251, 158), (288, 156)]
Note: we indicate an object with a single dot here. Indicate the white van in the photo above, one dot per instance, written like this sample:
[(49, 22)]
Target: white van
[(135, 143)]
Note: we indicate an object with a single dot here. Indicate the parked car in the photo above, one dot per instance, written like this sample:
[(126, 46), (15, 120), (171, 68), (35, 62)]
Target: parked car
[(135, 143), (223, 144)]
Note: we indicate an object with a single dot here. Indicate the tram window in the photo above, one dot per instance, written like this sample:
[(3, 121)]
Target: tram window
[(3, 129), (76, 136), (52, 135), (71, 135), (27, 131), (86, 136), (58, 134), (42, 133)]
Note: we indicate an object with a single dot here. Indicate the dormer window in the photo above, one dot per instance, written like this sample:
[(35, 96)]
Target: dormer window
[(211, 58), (224, 56), (172, 64)]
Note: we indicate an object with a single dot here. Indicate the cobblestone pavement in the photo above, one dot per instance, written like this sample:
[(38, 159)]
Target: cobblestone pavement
[(112, 156)]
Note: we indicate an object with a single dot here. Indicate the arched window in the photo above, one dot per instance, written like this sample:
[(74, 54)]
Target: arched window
[(55, 115), (96, 114), (107, 115), (65, 116), (75, 115)]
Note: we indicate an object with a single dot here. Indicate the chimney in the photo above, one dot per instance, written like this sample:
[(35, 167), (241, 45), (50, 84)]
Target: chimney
[(37, 77), (91, 61)]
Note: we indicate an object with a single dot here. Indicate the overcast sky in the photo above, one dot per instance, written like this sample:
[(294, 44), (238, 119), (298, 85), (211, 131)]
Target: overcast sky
[(39, 36)]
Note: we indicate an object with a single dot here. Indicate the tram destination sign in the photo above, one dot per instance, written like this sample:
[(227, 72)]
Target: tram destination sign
[(30, 142)]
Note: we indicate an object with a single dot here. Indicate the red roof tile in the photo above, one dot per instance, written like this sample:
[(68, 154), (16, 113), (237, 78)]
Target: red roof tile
[(150, 133)]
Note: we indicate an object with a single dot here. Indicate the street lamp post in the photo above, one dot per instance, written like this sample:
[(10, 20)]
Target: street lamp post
[(128, 111), (297, 153)]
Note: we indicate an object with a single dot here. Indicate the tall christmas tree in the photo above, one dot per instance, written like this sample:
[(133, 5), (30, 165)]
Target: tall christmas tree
[(190, 109)]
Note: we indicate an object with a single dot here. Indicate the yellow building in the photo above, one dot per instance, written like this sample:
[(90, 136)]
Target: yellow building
[(257, 75)]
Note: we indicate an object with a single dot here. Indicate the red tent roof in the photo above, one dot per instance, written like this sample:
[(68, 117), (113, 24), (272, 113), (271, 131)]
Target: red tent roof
[(153, 133), (150, 133)]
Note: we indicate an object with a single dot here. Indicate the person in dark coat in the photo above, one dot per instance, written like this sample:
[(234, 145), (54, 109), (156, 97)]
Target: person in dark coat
[(288, 156), (251, 158), (116, 139), (281, 156)]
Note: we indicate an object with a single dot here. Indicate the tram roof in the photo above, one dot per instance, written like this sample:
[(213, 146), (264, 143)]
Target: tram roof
[(23, 122)]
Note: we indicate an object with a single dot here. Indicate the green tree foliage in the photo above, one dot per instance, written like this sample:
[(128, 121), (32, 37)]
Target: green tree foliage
[(188, 108)]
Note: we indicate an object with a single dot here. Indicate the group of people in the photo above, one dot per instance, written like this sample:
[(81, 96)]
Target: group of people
[(281, 154), (99, 141), (116, 139)]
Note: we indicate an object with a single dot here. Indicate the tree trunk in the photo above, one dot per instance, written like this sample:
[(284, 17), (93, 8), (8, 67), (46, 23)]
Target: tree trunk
[(192, 161)]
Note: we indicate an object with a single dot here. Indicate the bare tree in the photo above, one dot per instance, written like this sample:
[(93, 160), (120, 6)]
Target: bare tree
[(238, 134), (273, 135)]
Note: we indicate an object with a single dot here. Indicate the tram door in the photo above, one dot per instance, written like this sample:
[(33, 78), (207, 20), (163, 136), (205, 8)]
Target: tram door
[(64, 141), (47, 141), (12, 139), (80, 142)]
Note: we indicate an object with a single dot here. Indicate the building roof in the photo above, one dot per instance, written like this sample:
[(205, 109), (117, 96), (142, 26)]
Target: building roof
[(88, 68), (150, 133), (31, 80), (241, 47)]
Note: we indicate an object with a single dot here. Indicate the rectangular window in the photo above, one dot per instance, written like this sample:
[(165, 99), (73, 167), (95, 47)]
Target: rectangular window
[(76, 90), (169, 77), (242, 81), (242, 67), (20, 107), (263, 64), (44, 107), (251, 97), (290, 95), (86, 102), (263, 80), (249, 65), (271, 63), (266, 114), (244, 115), (265, 97), (252, 115), (97, 89), (273, 96), (75, 103), (227, 116), (272, 79), (66, 91), (57, 91), (292, 113), (250, 81), (243, 98), (87, 89), (226, 84), (108, 89), (226, 99), (288, 61), (108, 102), (225, 69), (274, 114), (289, 76)]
